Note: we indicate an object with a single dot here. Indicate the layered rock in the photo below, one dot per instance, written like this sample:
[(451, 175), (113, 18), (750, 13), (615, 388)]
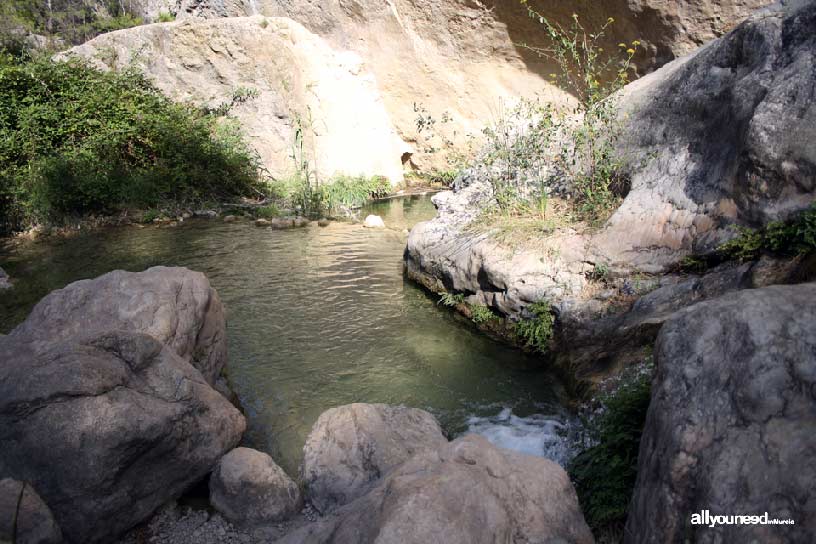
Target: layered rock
[(247, 487), (176, 306), (24, 517), (730, 428), (721, 138), (467, 491), (354, 445)]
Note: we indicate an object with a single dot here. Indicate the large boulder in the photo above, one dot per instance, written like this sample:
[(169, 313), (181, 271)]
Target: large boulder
[(354, 445), (24, 517), (107, 427), (247, 487), (176, 306), (732, 423), (465, 492)]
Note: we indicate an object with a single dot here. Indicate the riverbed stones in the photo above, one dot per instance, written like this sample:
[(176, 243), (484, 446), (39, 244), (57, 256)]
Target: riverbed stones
[(354, 445), (463, 492), (5, 281), (24, 517), (374, 222), (732, 423), (176, 306), (248, 488), (107, 426)]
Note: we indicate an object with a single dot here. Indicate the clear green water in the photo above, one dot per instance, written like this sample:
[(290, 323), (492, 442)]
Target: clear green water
[(319, 317)]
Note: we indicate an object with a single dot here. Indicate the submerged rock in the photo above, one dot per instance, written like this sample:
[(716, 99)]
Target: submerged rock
[(374, 222), (732, 427), (247, 487), (464, 492), (176, 306), (354, 445), (5, 281), (24, 517), (107, 426)]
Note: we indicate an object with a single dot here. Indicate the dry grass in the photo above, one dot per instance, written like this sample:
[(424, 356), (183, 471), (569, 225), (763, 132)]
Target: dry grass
[(527, 228)]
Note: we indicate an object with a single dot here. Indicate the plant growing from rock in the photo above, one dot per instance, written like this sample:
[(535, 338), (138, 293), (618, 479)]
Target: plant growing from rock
[(450, 300), (536, 332), (480, 314)]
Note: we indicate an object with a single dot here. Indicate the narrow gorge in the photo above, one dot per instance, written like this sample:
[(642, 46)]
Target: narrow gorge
[(460, 271)]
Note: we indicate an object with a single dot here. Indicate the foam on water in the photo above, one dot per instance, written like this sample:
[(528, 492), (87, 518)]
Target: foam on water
[(537, 434)]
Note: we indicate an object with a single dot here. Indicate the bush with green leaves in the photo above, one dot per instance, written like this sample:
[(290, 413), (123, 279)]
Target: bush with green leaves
[(481, 314), (794, 237), (75, 140), (536, 332), (604, 474), (450, 300), (535, 146)]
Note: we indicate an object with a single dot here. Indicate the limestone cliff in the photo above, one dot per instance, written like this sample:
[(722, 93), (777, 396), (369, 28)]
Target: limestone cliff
[(358, 70)]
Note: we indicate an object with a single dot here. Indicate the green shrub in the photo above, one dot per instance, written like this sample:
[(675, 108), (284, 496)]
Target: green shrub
[(479, 314), (270, 211), (604, 474), (450, 300), (794, 237), (353, 191), (537, 331), (75, 140), (165, 17)]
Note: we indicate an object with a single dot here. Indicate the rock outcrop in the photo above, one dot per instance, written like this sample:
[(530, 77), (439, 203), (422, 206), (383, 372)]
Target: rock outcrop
[(24, 517), (467, 491), (106, 404), (692, 181), (354, 445), (248, 488), (730, 428), (358, 75), (176, 306), (107, 427)]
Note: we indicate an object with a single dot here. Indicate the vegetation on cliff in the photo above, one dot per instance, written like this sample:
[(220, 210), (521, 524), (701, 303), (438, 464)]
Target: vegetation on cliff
[(75, 140)]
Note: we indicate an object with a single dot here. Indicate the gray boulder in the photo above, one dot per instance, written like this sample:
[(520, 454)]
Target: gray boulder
[(354, 445), (732, 423), (107, 427), (247, 487), (5, 281), (24, 517), (176, 306), (465, 492)]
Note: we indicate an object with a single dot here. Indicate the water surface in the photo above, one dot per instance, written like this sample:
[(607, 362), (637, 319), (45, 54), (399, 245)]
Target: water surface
[(319, 317)]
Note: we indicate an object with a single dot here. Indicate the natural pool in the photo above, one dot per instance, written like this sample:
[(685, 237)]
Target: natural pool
[(319, 317)]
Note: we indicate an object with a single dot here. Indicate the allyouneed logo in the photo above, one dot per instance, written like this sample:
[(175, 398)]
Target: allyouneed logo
[(704, 517)]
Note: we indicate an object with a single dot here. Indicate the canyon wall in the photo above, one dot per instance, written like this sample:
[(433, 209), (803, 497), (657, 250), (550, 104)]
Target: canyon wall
[(360, 73)]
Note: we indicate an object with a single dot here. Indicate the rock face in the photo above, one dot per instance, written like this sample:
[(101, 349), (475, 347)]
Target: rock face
[(725, 137), (468, 492), (692, 181), (24, 517), (731, 425), (354, 445), (358, 75), (108, 427), (247, 487), (176, 306)]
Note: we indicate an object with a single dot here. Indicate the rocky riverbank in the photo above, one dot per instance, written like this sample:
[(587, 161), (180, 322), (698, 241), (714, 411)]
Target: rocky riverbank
[(692, 186)]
